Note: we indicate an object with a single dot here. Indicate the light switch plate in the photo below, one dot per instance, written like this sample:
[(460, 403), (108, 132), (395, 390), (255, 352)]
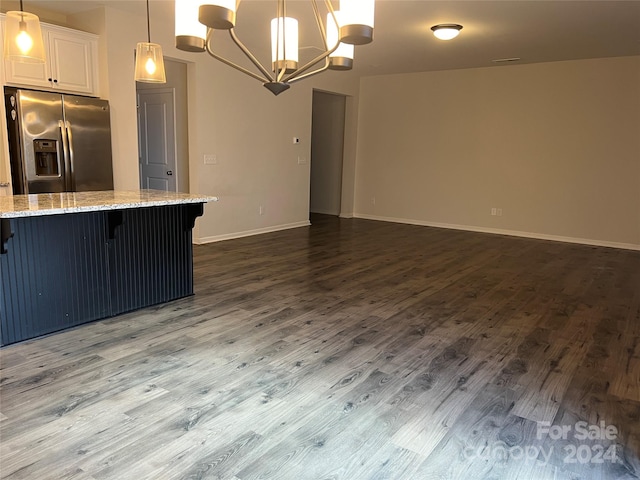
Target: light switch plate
[(210, 159)]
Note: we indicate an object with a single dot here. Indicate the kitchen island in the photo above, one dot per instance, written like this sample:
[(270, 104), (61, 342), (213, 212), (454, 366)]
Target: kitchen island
[(71, 258)]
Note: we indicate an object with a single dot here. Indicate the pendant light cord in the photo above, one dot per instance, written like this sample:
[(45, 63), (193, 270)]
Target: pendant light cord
[(148, 22), (21, 8)]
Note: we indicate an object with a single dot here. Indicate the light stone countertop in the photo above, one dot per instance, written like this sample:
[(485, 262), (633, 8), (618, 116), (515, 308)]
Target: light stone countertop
[(75, 202)]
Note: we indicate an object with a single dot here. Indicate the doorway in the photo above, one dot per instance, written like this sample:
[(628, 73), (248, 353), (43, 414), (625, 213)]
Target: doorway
[(327, 147), (163, 131)]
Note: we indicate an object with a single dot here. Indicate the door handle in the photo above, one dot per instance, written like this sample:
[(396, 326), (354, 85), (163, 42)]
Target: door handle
[(169, 172)]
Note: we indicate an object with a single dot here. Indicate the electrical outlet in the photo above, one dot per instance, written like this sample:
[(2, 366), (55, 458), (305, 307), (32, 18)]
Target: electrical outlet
[(373, 200), (302, 160), (261, 210), (494, 211), (210, 159)]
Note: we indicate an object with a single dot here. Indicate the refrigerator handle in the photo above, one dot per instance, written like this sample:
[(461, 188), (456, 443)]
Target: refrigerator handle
[(72, 179), (67, 148), (65, 156)]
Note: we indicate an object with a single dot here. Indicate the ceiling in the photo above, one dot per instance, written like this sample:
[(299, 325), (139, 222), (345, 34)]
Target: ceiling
[(533, 30)]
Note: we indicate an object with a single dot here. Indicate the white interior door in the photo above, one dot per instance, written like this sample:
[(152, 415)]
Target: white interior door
[(157, 139)]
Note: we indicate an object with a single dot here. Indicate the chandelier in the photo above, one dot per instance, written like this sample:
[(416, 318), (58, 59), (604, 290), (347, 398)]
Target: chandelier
[(351, 25)]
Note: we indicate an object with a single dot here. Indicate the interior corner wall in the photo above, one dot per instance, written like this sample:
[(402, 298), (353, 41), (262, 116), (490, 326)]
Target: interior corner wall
[(555, 146), (258, 178), (122, 34)]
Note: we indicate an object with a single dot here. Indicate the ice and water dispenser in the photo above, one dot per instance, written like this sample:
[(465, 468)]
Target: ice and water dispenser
[(46, 157)]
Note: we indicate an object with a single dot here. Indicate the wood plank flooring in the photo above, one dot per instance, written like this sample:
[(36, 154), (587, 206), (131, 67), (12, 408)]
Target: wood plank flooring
[(351, 349)]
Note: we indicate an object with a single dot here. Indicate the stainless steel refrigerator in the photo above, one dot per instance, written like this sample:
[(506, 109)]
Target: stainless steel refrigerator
[(58, 142)]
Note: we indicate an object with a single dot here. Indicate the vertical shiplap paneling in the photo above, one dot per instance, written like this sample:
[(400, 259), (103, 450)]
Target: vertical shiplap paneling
[(150, 258), (54, 275), (63, 270)]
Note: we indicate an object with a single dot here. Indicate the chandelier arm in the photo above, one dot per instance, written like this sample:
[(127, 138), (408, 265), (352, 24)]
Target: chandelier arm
[(319, 58), (309, 74), (267, 75), (316, 13), (229, 62), (324, 56)]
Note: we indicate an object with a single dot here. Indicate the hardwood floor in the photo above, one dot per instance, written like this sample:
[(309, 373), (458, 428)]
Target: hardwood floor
[(352, 350)]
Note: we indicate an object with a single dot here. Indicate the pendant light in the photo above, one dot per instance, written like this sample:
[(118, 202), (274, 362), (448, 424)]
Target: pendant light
[(23, 37), (149, 61)]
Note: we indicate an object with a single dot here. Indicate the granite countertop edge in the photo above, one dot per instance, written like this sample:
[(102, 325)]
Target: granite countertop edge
[(78, 202)]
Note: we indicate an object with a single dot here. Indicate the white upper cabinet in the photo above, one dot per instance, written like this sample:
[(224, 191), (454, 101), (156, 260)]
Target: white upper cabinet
[(71, 64)]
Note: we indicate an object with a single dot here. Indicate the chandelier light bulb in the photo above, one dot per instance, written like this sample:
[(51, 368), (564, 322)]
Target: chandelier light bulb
[(284, 44), (356, 24), (189, 32), (342, 58), (446, 31)]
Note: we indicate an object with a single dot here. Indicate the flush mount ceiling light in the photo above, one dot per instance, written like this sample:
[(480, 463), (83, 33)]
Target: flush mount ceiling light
[(352, 25), (446, 31), (23, 37), (149, 60)]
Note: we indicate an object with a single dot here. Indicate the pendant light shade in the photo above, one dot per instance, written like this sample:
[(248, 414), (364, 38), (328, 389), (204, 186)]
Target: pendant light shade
[(357, 21), (219, 14), (190, 33), (342, 58), (149, 63), (149, 60), (23, 38), (284, 44)]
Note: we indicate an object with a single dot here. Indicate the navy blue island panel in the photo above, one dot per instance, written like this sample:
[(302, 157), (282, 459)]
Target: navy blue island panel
[(63, 270)]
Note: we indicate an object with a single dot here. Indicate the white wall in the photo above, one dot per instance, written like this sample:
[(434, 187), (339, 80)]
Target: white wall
[(556, 146)]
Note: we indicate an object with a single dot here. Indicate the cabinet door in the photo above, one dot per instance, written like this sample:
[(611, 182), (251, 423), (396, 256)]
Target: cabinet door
[(32, 74), (72, 58), (71, 64)]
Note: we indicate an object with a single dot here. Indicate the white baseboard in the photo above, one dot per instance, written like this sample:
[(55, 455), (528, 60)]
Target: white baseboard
[(324, 212), (249, 233), (497, 231), (341, 215)]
